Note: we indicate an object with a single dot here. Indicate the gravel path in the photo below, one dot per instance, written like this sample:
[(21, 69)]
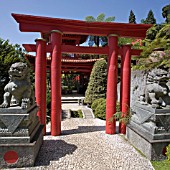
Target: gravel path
[(84, 145)]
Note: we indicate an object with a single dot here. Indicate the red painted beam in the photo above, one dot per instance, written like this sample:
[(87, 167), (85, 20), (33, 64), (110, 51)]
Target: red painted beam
[(71, 49), (81, 50), (26, 27), (77, 70), (84, 50), (29, 23)]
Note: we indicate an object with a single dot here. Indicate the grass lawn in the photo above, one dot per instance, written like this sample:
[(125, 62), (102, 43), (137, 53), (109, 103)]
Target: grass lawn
[(161, 165)]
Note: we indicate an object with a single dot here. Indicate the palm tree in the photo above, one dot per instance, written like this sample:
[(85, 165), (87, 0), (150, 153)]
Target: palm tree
[(96, 39)]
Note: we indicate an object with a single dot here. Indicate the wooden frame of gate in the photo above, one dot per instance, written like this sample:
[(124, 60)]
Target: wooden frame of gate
[(54, 29)]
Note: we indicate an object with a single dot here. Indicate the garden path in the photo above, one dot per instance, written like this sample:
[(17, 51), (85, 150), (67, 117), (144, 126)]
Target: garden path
[(83, 145)]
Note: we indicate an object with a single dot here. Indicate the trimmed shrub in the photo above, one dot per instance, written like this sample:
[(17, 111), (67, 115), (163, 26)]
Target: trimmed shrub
[(96, 103), (98, 82), (100, 111)]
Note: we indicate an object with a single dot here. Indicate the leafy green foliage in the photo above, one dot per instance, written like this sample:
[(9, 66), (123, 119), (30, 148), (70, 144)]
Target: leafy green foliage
[(162, 40), (120, 116), (90, 19), (97, 84), (100, 18), (132, 18), (152, 32), (161, 165), (150, 19), (164, 32), (165, 164), (96, 39), (76, 114), (168, 152), (100, 111), (96, 103), (9, 54), (166, 13)]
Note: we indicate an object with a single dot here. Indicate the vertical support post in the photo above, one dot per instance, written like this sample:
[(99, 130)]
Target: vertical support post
[(56, 40), (121, 83), (125, 83), (40, 80), (111, 96)]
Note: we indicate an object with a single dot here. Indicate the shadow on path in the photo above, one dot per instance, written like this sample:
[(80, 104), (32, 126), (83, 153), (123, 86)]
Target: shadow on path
[(52, 150), (83, 129)]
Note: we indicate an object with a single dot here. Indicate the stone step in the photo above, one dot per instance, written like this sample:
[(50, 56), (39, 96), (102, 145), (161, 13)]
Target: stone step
[(88, 113)]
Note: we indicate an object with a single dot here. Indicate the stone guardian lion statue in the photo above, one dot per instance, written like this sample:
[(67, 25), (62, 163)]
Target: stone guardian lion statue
[(18, 90), (157, 93)]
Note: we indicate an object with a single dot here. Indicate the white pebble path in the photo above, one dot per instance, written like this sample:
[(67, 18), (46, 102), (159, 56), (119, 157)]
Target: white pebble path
[(84, 145)]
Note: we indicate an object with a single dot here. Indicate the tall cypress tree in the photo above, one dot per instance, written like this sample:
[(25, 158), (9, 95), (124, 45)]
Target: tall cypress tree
[(132, 18), (98, 81), (150, 18)]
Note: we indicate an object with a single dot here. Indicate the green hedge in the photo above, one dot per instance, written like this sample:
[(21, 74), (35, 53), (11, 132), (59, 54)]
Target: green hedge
[(96, 103)]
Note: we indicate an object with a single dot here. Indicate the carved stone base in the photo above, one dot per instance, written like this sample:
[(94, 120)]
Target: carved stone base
[(21, 137), (149, 130), (153, 124), (152, 149), (21, 154)]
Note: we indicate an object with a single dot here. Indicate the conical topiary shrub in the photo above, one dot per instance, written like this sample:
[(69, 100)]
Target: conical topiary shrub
[(98, 82)]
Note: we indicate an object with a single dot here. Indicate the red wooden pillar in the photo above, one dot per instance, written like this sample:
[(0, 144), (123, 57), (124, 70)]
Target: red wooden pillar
[(111, 97), (56, 40), (121, 83), (40, 80), (125, 83)]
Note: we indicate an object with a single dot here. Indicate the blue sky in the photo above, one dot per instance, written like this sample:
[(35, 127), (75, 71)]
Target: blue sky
[(72, 9)]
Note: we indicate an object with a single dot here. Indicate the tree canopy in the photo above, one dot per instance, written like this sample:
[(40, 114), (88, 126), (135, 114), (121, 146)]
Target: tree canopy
[(96, 39), (132, 18), (166, 13), (159, 40), (9, 54), (150, 19)]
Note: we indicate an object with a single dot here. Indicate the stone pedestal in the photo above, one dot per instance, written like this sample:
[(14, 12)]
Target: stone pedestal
[(149, 130), (21, 137)]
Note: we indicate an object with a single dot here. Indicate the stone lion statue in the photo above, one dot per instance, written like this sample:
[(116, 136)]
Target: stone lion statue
[(18, 90), (156, 90)]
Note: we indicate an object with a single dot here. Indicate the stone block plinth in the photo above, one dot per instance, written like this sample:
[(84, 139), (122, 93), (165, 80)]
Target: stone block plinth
[(152, 149), (149, 130), (21, 136)]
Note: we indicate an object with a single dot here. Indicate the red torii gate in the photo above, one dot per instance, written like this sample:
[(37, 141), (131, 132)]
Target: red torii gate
[(54, 28)]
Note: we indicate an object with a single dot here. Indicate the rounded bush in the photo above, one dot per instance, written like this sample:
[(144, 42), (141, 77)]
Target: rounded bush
[(96, 102), (100, 111)]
